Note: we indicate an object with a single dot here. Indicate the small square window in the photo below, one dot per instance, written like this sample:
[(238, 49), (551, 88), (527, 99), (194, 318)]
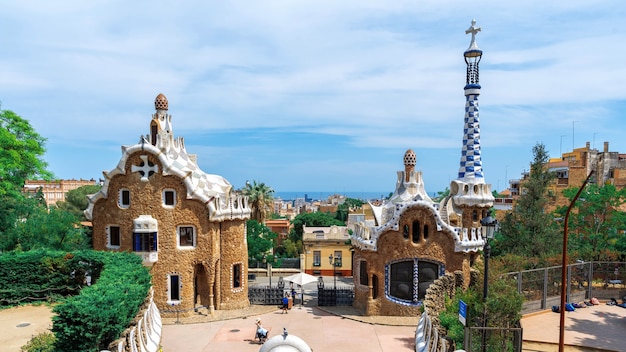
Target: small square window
[(124, 198), (169, 198), (186, 236)]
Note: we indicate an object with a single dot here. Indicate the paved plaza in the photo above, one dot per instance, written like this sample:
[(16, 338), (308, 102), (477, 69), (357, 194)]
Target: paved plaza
[(322, 328), (323, 331), (599, 328)]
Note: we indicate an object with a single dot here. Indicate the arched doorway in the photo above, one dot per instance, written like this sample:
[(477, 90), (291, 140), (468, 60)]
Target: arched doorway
[(200, 287)]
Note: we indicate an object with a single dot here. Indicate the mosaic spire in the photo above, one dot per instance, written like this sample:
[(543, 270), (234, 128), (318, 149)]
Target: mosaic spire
[(471, 164)]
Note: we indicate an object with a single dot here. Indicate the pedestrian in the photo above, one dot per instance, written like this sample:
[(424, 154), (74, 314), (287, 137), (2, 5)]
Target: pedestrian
[(293, 294), (285, 304), (261, 332)]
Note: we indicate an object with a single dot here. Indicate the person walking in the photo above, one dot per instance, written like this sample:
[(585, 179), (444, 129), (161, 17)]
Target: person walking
[(285, 307)]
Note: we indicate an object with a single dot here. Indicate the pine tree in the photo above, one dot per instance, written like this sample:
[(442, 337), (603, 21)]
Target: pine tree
[(528, 230)]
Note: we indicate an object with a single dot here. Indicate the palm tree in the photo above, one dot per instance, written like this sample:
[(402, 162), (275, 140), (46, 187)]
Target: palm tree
[(261, 199)]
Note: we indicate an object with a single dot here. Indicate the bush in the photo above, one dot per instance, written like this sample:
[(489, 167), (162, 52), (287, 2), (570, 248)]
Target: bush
[(503, 308), (44, 275), (95, 318), (43, 342)]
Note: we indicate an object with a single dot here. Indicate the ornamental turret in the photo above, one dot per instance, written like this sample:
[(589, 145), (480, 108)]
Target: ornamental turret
[(161, 124), (469, 189)]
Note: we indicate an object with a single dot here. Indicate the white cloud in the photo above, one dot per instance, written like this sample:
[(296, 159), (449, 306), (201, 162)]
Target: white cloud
[(381, 74)]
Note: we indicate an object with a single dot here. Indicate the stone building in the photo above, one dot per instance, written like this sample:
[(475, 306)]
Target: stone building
[(415, 240), (188, 226), (570, 171), (54, 191)]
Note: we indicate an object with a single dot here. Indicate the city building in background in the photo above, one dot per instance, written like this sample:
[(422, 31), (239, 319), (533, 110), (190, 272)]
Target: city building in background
[(323, 242), (55, 190)]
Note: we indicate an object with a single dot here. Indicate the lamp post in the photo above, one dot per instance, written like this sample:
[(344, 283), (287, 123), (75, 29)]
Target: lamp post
[(334, 261), (564, 264), (489, 226), (269, 269)]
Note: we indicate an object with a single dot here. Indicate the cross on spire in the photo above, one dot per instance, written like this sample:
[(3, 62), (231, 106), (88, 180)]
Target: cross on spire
[(474, 30)]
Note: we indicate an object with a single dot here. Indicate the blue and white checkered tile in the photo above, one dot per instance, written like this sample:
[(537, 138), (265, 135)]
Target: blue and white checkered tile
[(471, 164)]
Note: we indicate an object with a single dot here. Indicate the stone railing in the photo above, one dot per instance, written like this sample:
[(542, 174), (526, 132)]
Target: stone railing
[(144, 334), (430, 335)]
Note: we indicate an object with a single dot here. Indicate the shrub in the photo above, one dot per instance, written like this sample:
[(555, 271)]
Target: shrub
[(95, 318), (43, 342), (503, 308)]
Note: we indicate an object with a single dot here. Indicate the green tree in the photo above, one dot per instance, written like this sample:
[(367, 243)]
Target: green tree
[(291, 248), (21, 158), (528, 230), (595, 220), (260, 240), (49, 229), (261, 199), (76, 200), (442, 194), (21, 153), (309, 219), (343, 209)]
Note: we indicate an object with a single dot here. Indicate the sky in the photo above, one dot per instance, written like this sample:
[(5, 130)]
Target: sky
[(320, 96)]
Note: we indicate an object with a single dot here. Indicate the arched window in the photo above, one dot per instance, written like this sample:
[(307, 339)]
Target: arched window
[(416, 231)]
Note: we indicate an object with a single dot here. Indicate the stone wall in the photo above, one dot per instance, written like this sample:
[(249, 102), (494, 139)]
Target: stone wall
[(430, 335), (234, 252)]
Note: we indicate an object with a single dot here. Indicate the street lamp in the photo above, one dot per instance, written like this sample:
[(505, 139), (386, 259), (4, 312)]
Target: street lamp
[(334, 261), (564, 263), (489, 226), (269, 269)]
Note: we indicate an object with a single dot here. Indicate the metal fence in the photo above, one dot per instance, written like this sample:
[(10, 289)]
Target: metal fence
[(335, 297), (541, 288), (493, 339), (265, 295)]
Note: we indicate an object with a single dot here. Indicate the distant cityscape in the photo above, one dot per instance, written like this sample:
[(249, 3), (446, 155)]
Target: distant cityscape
[(314, 196)]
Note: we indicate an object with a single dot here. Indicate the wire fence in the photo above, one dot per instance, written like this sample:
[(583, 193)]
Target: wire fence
[(541, 288)]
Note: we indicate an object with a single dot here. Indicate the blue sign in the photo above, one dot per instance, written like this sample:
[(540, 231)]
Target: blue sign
[(462, 312)]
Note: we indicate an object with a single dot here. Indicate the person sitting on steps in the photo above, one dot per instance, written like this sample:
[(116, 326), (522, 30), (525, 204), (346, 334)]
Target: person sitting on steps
[(261, 333)]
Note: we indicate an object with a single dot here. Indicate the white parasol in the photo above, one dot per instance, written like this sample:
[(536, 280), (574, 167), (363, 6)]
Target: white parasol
[(301, 278)]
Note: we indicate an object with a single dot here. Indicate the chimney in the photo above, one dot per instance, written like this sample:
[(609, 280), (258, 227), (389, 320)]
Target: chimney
[(606, 147)]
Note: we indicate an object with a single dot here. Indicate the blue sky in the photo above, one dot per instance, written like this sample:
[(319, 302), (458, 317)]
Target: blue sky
[(315, 95)]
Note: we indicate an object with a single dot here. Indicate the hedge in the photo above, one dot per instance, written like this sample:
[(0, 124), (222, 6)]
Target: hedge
[(93, 319)]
